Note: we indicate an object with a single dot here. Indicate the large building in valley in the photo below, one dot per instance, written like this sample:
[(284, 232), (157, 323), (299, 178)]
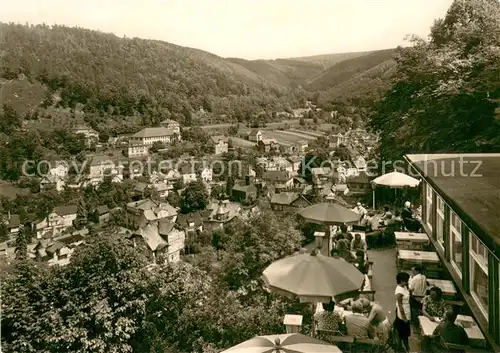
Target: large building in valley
[(140, 142), (461, 215)]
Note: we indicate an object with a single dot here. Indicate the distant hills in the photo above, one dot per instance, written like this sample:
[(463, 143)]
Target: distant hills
[(120, 83)]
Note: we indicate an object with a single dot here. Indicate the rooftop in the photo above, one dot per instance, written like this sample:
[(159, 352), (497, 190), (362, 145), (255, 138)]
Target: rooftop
[(469, 183), (154, 132)]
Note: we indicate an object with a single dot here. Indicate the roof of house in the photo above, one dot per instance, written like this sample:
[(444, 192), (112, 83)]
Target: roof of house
[(12, 221), (218, 138), (154, 132), (165, 227), (170, 121), (276, 175), (102, 209), (469, 183), (231, 208), (362, 177), (144, 204), (183, 220), (105, 160), (321, 171), (244, 188), (66, 210), (254, 131), (152, 237), (295, 159), (284, 198), (140, 187)]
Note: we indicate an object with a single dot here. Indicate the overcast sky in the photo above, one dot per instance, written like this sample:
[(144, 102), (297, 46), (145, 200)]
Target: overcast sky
[(249, 29)]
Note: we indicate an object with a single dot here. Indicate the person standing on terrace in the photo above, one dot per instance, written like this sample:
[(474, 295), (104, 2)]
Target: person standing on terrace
[(403, 311)]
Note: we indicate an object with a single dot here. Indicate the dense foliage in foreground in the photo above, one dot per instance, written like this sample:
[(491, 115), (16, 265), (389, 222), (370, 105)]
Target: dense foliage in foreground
[(109, 299), (446, 94)]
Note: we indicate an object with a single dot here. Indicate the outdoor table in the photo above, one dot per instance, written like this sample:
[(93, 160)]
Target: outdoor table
[(406, 259), (476, 337), (411, 241), (447, 287)]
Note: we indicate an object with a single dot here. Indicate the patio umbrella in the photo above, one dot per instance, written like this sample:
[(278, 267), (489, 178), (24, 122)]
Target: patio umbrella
[(329, 214), (394, 180), (313, 278), (288, 343)]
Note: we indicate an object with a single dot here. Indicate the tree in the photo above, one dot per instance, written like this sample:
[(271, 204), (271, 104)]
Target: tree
[(81, 216), (103, 136), (194, 197), (445, 91), (9, 120), (218, 192), (23, 238), (251, 245), (229, 185)]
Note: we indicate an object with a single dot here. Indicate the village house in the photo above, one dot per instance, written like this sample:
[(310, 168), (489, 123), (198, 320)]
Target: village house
[(245, 192), (221, 213), (12, 222), (171, 125), (142, 212), (142, 141), (360, 184), (288, 202), (336, 140), (102, 166), (102, 214), (460, 214), (281, 180), (267, 145), (283, 164), (55, 178), (163, 241), (90, 134), (221, 144), (255, 135), (140, 190), (187, 172), (162, 188), (206, 174), (58, 221), (360, 164), (320, 176), (191, 222), (296, 162)]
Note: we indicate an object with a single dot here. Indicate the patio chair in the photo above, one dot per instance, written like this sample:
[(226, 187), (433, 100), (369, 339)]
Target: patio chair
[(367, 345), (337, 338)]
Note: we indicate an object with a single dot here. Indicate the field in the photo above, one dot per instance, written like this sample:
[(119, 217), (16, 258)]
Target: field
[(286, 136), (239, 142)]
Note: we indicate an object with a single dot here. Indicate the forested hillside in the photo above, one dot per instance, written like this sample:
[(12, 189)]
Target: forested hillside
[(445, 95), (116, 78)]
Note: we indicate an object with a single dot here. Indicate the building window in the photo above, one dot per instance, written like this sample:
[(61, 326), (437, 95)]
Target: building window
[(428, 213), (440, 221), (479, 273), (456, 242)]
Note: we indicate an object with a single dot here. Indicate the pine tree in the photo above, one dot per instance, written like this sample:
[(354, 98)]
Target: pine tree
[(81, 216)]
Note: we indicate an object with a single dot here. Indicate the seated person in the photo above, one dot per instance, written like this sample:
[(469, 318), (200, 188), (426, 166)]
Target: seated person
[(344, 251), (433, 305), (386, 211), (328, 322), (357, 324), (358, 243), (407, 212), (360, 262), (377, 319), (450, 332), (343, 234)]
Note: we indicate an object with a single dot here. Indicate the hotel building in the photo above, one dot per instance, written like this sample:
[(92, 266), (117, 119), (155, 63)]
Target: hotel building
[(461, 215)]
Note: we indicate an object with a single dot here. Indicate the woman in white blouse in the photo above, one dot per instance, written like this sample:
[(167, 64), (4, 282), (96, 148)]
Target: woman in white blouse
[(402, 322)]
